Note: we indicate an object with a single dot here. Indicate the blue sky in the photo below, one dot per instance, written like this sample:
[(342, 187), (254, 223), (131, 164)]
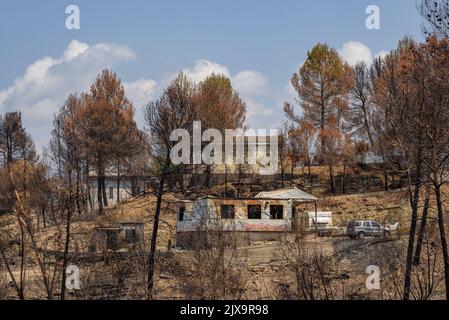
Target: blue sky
[(258, 44)]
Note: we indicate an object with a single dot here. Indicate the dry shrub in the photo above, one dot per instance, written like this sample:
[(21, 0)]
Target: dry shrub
[(214, 268), (309, 270), (113, 275), (3, 281), (426, 277)]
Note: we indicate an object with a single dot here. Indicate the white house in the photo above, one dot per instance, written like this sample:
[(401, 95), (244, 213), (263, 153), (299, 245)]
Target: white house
[(267, 216)]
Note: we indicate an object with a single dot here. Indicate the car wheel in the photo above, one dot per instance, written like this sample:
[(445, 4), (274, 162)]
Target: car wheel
[(361, 235)]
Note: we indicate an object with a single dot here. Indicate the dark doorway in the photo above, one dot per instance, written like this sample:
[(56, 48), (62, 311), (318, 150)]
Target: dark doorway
[(277, 212)]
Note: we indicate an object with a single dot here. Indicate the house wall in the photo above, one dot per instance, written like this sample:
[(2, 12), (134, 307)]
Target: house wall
[(204, 215), (241, 207), (125, 190)]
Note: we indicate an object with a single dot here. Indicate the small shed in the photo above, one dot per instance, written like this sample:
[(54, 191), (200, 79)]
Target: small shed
[(120, 237)]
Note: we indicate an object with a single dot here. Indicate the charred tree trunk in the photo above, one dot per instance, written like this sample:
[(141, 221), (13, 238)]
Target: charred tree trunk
[(343, 180), (442, 236), (385, 172), (292, 170), (118, 183), (44, 221), (157, 214), (422, 229), (208, 173), (181, 179), (332, 180), (21, 292), (282, 176), (310, 174), (78, 191), (67, 241), (99, 192), (53, 215), (17, 288), (88, 191), (414, 201), (239, 180), (226, 181), (103, 189)]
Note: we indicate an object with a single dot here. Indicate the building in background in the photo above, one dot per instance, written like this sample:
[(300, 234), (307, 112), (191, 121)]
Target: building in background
[(118, 189)]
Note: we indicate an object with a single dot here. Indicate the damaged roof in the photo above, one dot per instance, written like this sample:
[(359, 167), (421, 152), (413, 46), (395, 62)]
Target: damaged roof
[(287, 194)]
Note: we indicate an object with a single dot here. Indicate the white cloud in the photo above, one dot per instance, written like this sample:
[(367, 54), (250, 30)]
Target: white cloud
[(252, 86), (382, 54), (75, 49), (141, 91), (46, 83), (5, 94), (353, 52), (256, 109), (245, 82), (250, 82), (254, 89), (203, 69)]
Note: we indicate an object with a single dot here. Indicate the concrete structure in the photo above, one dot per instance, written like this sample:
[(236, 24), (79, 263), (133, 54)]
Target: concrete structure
[(127, 186), (120, 237), (261, 145), (267, 216)]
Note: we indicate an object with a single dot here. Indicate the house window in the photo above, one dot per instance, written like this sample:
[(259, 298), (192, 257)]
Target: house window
[(276, 212), (227, 212), (182, 210), (111, 193), (131, 235), (254, 212)]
